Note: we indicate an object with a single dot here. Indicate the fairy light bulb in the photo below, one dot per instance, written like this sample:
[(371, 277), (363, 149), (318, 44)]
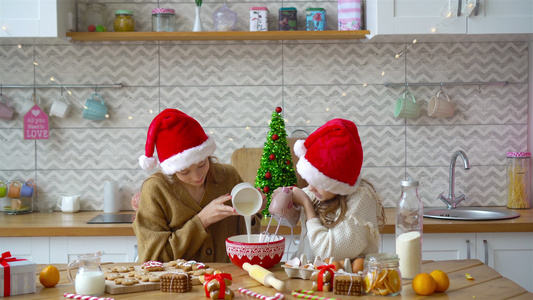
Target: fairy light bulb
[(247, 128), (344, 94), (35, 63), (52, 78), (433, 29), (415, 41), (327, 108), (382, 73), (365, 84), (397, 56), (19, 46)]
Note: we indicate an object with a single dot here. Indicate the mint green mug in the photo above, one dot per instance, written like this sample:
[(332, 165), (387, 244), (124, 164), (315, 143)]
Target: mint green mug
[(94, 108), (406, 107)]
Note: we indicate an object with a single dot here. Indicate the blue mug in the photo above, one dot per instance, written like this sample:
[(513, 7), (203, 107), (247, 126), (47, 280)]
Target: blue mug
[(95, 108), (27, 189)]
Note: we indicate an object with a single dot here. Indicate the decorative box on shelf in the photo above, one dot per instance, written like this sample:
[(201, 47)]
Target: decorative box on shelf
[(17, 276)]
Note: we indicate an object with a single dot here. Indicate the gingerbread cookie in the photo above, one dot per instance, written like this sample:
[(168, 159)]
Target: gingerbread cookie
[(153, 266), (323, 279), (218, 284), (126, 281), (175, 282)]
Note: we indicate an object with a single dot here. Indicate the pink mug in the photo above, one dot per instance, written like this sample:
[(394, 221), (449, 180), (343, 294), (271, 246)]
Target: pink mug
[(6, 112)]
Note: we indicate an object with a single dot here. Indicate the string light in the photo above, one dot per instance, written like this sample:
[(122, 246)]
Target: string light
[(327, 108), (365, 84), (247, 128)]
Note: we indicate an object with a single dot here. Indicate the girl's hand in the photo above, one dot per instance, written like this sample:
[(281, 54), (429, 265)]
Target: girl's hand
[(216, 210), (300, 198), (264, 197)]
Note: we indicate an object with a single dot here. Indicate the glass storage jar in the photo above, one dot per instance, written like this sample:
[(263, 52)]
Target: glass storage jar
[(94, 17), (224, 19), (163, 19), (124, 21), (381, 274), (518, 179)]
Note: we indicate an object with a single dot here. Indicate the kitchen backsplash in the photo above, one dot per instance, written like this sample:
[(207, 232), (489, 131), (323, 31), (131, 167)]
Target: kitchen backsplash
[(232, 87)]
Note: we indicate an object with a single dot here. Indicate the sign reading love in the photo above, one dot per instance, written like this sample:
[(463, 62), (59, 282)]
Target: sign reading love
[(36, 124)]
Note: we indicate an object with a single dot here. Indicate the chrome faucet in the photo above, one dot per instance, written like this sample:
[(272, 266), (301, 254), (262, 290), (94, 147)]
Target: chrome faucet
[(451, 201)]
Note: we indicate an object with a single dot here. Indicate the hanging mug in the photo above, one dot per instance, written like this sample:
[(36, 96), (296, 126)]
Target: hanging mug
[(27, 189), (95, 108), (29, 103), (440, 107), (3, 189), (60, 107), (6, 112), (406, 107), (14, 189)]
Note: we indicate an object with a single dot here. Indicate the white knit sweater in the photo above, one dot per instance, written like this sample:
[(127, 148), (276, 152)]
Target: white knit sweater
[(355, 236)]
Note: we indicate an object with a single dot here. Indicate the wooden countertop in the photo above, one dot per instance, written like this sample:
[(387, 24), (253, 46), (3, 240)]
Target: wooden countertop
[(487, 284), (64, 224)]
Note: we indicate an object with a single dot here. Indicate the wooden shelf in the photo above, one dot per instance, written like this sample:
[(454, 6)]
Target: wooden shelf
[(218, 35)]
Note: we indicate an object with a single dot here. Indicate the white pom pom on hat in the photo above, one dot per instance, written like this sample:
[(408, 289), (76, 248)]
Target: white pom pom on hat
[(331, 157), (180, 142)]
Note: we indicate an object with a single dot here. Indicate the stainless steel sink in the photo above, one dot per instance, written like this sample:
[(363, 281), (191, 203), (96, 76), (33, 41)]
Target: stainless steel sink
[(469, 213)]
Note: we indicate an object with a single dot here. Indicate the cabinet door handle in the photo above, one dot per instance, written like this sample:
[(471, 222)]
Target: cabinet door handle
[(459, 4), (467, 249), (476, 9), (486, 246)]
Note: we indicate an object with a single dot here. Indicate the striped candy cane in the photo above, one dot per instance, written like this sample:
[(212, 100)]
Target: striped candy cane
[(305, 294), (277, 296), (85, 297)]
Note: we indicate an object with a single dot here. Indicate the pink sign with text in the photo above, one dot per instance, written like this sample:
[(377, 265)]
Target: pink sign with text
[(36, 124)]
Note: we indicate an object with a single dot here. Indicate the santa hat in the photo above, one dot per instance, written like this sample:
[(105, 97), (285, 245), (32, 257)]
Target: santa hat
[(331, 157), (180, 142)]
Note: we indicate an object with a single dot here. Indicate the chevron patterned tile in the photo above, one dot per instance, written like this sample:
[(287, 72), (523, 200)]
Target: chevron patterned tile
[(386, 181), (493, 105), (131, 65), (16, 65), (87, 149), (483, 144), (309, 64), (90, 185), (229, 65), (228, 106), (232, 138), (467, 62), (17, 153), (482, 185), (370, 105)]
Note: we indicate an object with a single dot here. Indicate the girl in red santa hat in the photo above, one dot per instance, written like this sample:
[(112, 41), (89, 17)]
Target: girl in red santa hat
[(342, 213), (183, 210)]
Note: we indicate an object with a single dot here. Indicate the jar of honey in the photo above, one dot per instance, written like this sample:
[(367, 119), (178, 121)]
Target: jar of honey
[(124, 21)]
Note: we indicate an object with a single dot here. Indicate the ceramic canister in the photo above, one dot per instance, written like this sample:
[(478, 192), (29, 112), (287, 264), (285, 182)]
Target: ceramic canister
[(287, 19), (259, 18), (316, 19)]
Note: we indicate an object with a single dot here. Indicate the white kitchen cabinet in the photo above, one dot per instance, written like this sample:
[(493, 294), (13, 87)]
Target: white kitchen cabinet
[(116, 248), (389, 17), (511, 254), (37, 18), (35, 249)]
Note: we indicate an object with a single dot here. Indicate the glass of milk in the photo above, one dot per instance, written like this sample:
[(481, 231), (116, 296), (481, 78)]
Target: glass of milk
[(90, 278)]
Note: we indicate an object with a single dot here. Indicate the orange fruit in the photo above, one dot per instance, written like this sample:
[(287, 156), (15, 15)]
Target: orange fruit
[(424, 284), (49, 276), (443, 282)]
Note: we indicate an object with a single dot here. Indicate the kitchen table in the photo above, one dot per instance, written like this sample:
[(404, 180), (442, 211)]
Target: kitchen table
[(487, 284)]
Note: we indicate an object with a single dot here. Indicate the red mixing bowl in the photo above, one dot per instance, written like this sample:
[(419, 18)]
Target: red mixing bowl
[(265, 254)]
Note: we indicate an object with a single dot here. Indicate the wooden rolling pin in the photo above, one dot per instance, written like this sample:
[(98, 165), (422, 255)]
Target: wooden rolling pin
[(264, 276)]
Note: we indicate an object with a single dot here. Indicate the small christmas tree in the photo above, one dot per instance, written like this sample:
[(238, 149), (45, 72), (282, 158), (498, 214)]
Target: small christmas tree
[(276, 169)]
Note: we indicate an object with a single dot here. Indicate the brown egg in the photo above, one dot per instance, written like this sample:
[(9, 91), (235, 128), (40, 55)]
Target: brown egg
[(327, 260), (338, 265), (357, 265)]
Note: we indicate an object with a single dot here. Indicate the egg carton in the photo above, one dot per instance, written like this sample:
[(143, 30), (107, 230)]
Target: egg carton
[(296, 272)]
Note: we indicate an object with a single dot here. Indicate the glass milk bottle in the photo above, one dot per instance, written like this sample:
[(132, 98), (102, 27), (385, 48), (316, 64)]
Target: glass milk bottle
[(90, 278), (409, 211)]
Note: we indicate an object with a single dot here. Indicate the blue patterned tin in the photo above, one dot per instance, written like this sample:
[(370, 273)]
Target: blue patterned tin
[(316, 19)]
